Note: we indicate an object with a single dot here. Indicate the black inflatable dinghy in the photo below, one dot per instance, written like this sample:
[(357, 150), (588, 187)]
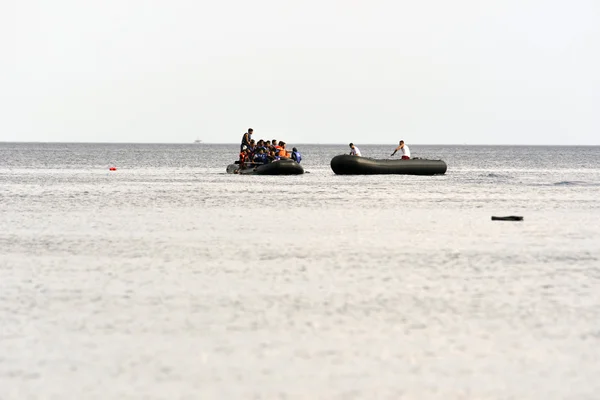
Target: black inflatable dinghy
[(352, 165), (509, 218), (281, 167)]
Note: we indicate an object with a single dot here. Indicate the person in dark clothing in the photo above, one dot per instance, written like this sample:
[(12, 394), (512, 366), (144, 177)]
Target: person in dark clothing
[(247, 138), (273, 156), (261, 157), (296, 156)]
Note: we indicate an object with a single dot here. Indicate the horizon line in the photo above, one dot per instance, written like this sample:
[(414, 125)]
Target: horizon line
[(302, 143)]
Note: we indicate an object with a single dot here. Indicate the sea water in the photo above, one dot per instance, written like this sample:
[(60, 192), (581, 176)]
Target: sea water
[(169, 279)]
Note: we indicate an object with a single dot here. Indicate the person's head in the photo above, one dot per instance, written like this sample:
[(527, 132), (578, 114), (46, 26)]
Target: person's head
[(274, 142), (250, 130), (268, 143), (401, 142), (351, 145), (294, 149), (282, 144), (252, 142)]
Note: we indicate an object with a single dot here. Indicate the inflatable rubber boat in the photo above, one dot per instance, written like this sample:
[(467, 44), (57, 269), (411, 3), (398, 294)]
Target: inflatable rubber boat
[(352, 165), (281, 167)]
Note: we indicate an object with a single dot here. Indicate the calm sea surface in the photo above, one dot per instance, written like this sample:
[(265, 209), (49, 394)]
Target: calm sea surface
[(169, 279)]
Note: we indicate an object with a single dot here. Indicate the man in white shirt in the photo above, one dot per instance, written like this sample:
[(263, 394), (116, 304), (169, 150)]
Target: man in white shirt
[(405, 151), (354, 151)]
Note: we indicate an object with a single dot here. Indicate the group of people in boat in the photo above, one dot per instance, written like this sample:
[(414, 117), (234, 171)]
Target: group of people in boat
[(267, 151), (264, 151), (355, 151)]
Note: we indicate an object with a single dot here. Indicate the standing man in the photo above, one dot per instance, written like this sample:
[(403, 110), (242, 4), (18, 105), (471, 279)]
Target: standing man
[(247, 138), (405, 151), (354, 151)]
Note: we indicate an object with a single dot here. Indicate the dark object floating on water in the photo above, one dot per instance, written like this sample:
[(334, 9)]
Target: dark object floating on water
[(509, 218), (281, 167), (352, 165)]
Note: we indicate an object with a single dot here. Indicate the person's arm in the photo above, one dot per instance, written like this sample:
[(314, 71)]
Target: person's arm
[(395, 150)]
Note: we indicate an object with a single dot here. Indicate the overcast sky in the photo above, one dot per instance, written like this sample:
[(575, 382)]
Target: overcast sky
[(326, 71)]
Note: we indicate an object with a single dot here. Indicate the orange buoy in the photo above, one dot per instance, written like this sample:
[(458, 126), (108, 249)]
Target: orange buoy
[(112, 169)]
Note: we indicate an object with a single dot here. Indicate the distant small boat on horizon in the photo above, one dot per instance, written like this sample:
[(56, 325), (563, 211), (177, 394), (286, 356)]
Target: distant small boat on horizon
[(197, 141)]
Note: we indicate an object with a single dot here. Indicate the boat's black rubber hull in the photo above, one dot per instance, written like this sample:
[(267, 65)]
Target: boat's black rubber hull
[(352, 165), (282, 167)]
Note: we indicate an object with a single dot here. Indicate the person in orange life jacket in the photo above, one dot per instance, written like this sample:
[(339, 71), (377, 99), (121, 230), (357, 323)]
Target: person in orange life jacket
[(247, 138), (243, 152), (405, 150), (296, 156), (244, 157), (283, 153)]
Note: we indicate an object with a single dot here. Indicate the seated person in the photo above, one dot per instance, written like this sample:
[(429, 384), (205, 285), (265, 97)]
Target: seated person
[(296, 156), (354, 151), (261, 157), (405, 150), (260, 145), (252, 148), (274, 156), (244, 157), (283, 153)]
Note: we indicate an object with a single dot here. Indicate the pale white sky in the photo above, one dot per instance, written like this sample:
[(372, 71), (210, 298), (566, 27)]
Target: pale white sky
[(326, 71)]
